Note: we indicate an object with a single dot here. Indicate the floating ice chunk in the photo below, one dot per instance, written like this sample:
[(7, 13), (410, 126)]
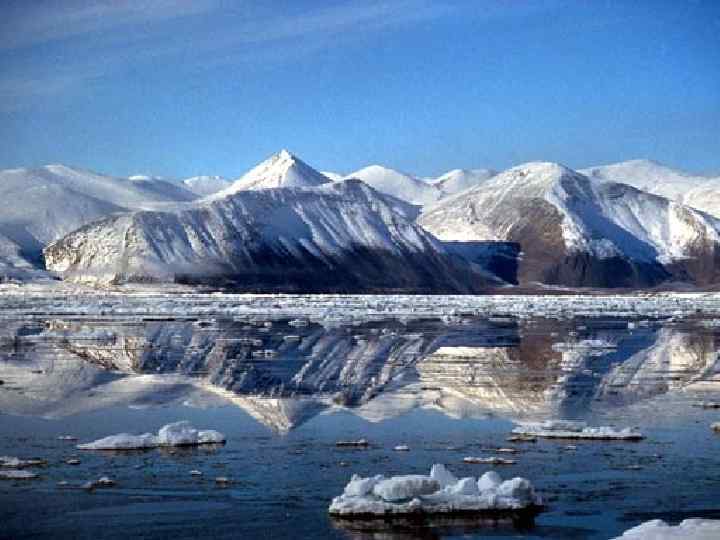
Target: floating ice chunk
[(175, 434), (565, 429), (444, 477), (489, 481), (359, 487), (402, 448), (488, 460), (716, 426), (518, 489), (11, 462), (438, 493), (184, 434), (359, 442), (122, 441), (466, 486), (17, 475), (690, 529), (400, 488)]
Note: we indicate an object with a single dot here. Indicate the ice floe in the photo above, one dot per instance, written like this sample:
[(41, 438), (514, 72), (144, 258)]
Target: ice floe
[(15, 474), (360, 443), (11, 462), (103, 481), (438, 493), (176, 434), (565, 429), (690, 529), (488, 460)]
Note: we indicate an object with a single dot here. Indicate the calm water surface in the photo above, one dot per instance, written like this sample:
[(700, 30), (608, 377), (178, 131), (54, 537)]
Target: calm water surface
[(283, 394)]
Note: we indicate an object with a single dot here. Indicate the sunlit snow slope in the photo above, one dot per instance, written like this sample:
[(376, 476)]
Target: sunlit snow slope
[(41, 205), (701, 192)]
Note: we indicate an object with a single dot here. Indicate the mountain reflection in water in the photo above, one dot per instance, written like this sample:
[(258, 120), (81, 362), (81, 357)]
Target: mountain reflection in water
[(284, 373)]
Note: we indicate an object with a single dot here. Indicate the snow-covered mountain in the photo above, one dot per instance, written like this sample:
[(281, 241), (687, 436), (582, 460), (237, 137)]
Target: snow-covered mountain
[(701, 192), (459, 180), (205, 185), (334, 176), (41, 205), (398, 184), (335, 236), (580, 232), (278, 171)]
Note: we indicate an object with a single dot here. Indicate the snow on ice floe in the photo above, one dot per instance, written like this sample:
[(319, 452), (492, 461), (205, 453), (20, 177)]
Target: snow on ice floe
[(439, 493), (14, 474), (690, 529), (11, 462), (176, 434), (565, 429)]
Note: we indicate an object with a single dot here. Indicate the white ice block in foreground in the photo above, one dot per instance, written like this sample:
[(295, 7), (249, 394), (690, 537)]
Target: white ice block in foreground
[(175, 434), (690, 529), (438, 493), (564, 429)]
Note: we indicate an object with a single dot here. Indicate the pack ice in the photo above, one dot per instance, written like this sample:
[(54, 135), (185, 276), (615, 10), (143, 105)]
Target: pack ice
[(439, 493), (176, 434)]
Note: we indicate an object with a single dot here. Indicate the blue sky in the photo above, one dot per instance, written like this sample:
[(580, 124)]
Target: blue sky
[(179, 88)]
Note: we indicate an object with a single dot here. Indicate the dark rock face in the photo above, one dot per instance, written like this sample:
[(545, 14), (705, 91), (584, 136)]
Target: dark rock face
[(500, 258), (543, 258), (584, 270)]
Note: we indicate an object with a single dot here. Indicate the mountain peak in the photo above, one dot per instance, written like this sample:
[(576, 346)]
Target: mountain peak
[(279, 170)]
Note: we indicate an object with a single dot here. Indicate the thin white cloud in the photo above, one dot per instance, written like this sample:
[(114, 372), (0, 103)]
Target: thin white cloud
[(32, 23), (246, 36)]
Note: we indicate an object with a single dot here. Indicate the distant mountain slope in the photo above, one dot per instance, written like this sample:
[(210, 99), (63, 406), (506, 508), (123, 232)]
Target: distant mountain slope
[(459, 180), (158, 189), (401, 185), (701, 192), (41, 205), (579, 232), (334, 176), (280, 170), (205, 185), (341, 236)]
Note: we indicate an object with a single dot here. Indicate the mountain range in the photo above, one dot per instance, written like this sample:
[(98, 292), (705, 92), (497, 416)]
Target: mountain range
[(284, 226)]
